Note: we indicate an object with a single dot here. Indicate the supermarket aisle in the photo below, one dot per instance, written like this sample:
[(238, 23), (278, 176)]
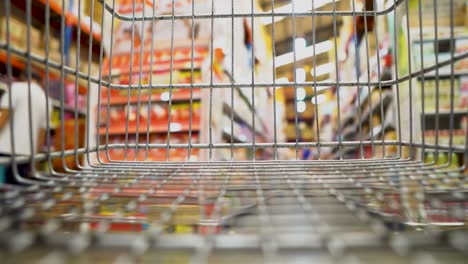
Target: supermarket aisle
[(198, 131)]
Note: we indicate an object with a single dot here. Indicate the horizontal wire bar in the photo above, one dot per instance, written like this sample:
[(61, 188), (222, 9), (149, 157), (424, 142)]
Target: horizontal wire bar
[(401, 79), (334, 208), (441, 147), (56, 65), (84, 76), (67, 153), (252, 14)]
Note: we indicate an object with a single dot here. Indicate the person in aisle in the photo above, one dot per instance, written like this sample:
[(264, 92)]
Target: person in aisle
[(24, 133)]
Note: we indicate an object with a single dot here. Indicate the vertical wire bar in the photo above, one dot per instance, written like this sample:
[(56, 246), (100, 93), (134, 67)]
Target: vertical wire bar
[(216, 215), (192, 56), (62, 86), (203, 250), (397, 85), (273, 51), (33, 145), (201, 194), (314, 58), (436, 52), (14, 164), (296, 125), (408, 44), (268, 243), (171, 83), (109, 81), (46, 82), (77, 67), (465, 154), (371, 110), (452, 88), (167, 214), (232, 79), (140, 76), (210, 117), (358, 75), (307, 206), (254, 130), (377, 55), (130, 79), (437, 80), (340, 143), (150, 99), (422, 82), (88, 91)]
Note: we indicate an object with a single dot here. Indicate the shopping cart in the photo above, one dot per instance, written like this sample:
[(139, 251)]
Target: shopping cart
[(122, 194)]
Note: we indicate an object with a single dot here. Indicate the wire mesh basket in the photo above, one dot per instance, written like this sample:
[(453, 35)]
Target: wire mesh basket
[(147, 157)]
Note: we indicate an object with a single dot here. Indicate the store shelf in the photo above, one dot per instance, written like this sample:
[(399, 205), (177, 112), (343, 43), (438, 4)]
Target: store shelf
[(293, 140), (447, 113), (433, 76), (38, 8), (346, 151), (352, 132), (227, 137), (158, 60), (238, 134), (228, 111), (443, 118), (241, 134), (300, 119), (163, 67), (373, 78), (176, 97), (386, 100), (363, 96), (248, 103), (154, 129), (19, 63), (348, 132), (377, 131), (159, 67), (431, 39), (66, 108), (458, 136), (348, 121)]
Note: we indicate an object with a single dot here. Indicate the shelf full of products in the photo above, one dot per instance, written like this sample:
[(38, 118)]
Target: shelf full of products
[(144, 104), (67, 93)]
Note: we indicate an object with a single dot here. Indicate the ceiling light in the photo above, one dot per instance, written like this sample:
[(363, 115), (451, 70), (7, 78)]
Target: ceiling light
[(175, 127), (318, 99), (299, 6), (300, 75), (307, 52), (322, 69), (299, 44), (165, 96), (300, 93), (301, 106)]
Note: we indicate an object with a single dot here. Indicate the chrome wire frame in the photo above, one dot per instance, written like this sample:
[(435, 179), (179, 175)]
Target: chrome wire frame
[(395, 206)]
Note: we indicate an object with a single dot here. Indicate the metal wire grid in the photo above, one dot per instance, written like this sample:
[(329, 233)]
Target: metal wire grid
[(335, 209), (274, 144), (412, 142)]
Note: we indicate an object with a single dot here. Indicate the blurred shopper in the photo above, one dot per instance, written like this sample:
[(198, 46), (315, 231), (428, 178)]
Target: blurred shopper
[(24, 133)]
